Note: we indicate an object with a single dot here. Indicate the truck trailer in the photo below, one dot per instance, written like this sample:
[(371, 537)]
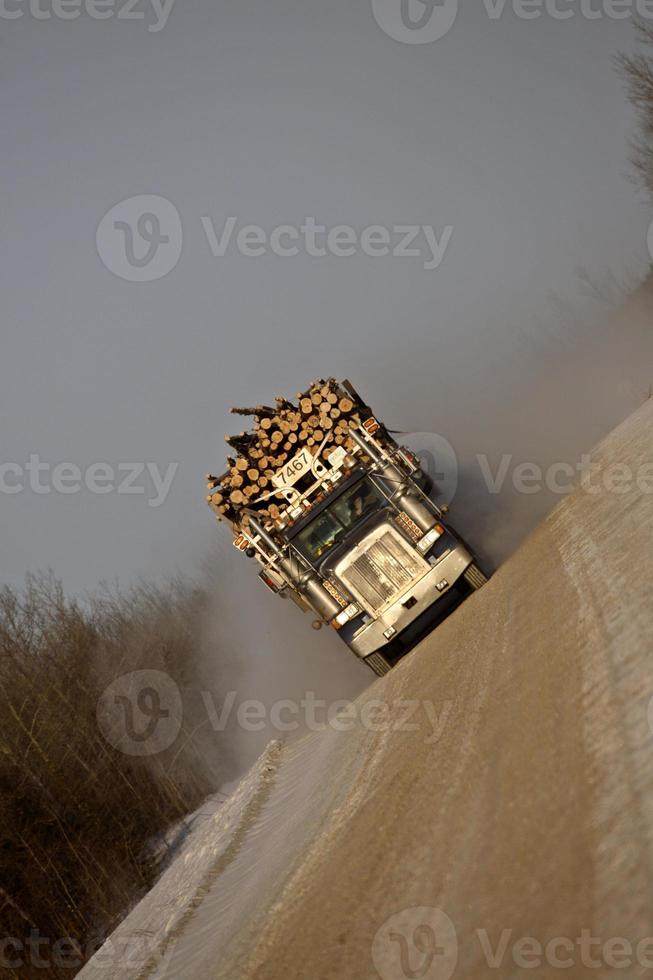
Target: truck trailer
[(339, 518)]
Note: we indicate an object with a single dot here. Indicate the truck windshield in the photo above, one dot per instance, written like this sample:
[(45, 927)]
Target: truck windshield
[(334, 522)]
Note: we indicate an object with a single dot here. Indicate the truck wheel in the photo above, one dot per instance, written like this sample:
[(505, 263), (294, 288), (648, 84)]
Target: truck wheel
[(378, 663), (474, 577)]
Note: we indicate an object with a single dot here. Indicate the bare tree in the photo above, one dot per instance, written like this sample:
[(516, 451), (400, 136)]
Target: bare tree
[(639, 72), (82, 824)]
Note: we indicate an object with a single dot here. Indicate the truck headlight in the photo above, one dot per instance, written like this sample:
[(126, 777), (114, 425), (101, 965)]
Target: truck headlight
[(430, 538), (352, 610)]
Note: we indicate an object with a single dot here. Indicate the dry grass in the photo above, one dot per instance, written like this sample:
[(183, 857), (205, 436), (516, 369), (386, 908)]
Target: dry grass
[(75, 813)]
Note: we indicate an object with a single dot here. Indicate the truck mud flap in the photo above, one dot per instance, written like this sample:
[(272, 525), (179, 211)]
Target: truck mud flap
[(378, 663)]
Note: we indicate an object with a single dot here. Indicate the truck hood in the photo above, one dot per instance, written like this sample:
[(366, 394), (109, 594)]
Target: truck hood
[(380, 567)]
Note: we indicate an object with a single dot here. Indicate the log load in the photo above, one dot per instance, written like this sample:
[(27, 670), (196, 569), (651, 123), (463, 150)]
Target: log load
[(320, 416)]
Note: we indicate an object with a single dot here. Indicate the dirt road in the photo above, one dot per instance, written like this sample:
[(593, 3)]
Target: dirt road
[(504, 829)]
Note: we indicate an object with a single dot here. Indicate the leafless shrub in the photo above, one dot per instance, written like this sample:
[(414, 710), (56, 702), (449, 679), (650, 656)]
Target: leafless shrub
[(638, 69), (76, 815)]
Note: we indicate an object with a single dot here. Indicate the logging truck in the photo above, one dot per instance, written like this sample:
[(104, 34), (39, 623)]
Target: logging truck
[(339, 517)]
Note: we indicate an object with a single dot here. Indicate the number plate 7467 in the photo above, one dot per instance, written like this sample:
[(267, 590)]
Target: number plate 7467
[(293, 470)]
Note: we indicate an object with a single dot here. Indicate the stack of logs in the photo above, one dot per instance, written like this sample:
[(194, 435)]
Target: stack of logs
[(322, 415)]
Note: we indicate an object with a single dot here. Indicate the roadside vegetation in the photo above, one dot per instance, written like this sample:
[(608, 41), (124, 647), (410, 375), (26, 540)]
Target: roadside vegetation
[(78, 816), (639, 73)]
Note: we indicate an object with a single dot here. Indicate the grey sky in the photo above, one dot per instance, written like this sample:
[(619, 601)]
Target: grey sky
[(512, 132)]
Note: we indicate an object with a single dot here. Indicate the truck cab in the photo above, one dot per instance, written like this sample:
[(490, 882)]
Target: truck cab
[(394, 583), (344, 525)]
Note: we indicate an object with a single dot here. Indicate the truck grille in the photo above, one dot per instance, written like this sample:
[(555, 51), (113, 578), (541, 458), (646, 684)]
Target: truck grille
[(384, 570)]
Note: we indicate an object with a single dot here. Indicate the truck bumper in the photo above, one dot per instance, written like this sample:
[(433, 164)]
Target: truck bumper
[(425, 592)]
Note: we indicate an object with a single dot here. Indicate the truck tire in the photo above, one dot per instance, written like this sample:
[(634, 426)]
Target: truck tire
[(474, 577), (378, 663)]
